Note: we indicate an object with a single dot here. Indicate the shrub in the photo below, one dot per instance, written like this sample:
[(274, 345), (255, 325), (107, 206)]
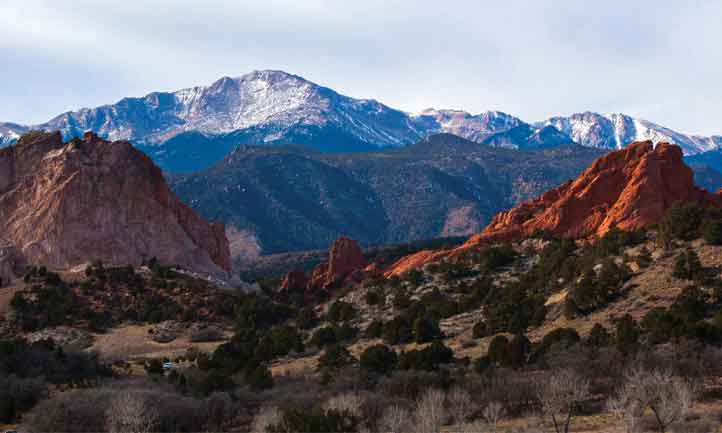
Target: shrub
[(615, 240), (214, 381), (627, 333), (540, 314), (497, 352), (19, 395), (717, 320), (660, 325), (285, 339), (598, 336), (306, 318), (400, 299), (481, 364), (565, 337), (644, 258), (479, 330), (345, 332), (267, 416), (335, 356), (415, 277), (323, 337), (495, 257), (690, 305), (257, 311), (341, 311), (235, 354), (259, 378), (375, 329), (373, 297), (687, 266), (428, 358), (154, 366), (379, 359), (73, 411), (712, 232), (517, 350), (398, 330), (430, 412), (682, 221), (314, 421), (594, 291), (206, 335), (425, 330)]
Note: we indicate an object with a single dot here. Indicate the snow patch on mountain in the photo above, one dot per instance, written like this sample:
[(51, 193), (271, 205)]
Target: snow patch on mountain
[(280, 108), (616, 130), (10, 132), (274, 103)]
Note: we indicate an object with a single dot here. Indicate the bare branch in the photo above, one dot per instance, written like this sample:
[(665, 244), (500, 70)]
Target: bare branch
[(460, 404), (559, 395), (430, 412), (129, 413)]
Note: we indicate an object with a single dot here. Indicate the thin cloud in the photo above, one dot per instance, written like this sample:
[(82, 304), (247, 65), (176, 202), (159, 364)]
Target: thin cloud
[(532, 59)]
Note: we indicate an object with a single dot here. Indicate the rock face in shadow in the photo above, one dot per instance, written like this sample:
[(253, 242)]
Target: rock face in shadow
[(629, 189), (294, 281), (63, 204)]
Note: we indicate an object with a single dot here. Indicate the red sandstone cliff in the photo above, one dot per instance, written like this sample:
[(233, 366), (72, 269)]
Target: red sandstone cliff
[(64, 204), (345, 263), (629, 188)]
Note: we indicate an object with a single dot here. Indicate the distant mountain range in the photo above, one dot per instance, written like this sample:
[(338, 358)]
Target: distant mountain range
[(192, 128)]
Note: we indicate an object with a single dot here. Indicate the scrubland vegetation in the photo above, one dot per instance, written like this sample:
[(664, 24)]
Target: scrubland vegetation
[(483, 342)]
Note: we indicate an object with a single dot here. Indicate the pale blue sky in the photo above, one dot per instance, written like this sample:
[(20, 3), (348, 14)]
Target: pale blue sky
[(660, 60)]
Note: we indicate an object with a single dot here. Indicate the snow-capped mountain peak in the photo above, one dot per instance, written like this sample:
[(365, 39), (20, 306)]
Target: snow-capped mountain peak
[(202, 123), (616, 130)]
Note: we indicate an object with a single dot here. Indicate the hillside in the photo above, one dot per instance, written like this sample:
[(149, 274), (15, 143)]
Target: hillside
[(480, 337), (442, 186), (631, 189)]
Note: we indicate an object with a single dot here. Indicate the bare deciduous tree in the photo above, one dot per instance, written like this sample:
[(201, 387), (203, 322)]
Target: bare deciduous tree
[(396, 419), (475, 426), (129, 412), (350, 402), (492, 413), (430, 412), (668, 397), (268, 415), (460, 404), (559, 396), (624, 411)]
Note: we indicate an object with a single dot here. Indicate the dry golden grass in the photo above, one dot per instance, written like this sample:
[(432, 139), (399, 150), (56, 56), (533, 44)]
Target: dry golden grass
[(6, 294), (132, 342)]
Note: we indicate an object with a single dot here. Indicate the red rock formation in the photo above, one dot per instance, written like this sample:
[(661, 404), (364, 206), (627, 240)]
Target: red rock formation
[(628, 188), (344, 259), (294, 281), (64, 204)]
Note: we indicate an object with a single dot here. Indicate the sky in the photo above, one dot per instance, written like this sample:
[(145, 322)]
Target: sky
[(661, 61)]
